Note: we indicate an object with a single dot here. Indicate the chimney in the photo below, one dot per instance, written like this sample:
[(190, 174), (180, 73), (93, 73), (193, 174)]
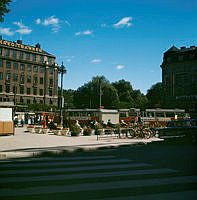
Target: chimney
[(183, 48), (37, 46), (19, 41)]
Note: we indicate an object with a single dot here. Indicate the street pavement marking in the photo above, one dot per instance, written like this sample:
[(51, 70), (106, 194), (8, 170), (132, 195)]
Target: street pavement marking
[(54, 159), (67, 163), (191, 195), (74, 169), (87, 175), (97, 186)]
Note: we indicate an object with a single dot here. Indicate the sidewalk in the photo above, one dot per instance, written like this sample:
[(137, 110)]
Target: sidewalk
[(25, 144)]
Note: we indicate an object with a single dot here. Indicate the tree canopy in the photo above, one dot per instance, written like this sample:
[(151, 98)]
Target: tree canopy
[(3, 8), (155, 95)]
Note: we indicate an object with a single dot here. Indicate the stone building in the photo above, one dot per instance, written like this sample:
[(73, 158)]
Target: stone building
[(28, 74), (179, 78)]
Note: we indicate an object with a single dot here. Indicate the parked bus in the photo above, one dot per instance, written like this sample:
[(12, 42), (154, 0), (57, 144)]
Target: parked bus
[(152, 116), (86, 115)]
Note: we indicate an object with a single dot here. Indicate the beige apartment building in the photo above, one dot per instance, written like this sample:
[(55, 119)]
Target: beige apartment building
[(28, 74)]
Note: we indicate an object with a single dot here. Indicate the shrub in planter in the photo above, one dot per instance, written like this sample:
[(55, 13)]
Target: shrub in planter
[(87, 131), (98, 129), (75, 130)]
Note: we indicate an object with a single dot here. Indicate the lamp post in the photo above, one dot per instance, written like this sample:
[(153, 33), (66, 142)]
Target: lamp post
[(62, 71)]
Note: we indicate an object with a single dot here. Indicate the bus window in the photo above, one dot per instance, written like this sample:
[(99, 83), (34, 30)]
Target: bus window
[(160, 114), (122, 114), (169, 114)]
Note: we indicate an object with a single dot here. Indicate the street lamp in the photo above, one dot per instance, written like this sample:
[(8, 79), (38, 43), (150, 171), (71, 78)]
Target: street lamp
[(62, 70)]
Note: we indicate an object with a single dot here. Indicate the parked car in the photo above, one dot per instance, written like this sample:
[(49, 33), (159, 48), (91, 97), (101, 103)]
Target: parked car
[(184, 128)]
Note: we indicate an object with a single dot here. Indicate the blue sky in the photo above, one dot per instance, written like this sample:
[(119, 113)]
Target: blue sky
[(120, 39)]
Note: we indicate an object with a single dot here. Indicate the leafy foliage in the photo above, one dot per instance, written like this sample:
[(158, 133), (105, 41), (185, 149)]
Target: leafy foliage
[(155, 94), (3, 8)]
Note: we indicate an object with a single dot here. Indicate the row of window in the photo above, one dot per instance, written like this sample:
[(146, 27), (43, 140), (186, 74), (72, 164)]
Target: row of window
[(24, 55), (179, 58), (28, 101), (24, 67), (21, 78), (29, 91)]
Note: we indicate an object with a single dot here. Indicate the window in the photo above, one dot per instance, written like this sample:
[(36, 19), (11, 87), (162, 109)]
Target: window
[(51, 82), (22, 67), (27, 56), (8, 75), (34, 57), (1, 75), (8, 64), (180, 58), (28, 78), (14, 89), (21, 55), (35, 79), (41, 80), (15, 77), (51, 70), (41, 58), (1, 88), (49, 60), (1, 63), (41, 69), (41, 92), (28, 101), (35, 91), (15, 65), (7, 89), (29, 68), (28, 90), (50, 92), (35, 68), (22, 89), (7, 52), (0, 51), (14, 54), (22, 79)]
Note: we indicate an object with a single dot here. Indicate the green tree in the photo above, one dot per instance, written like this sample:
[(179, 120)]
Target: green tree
[(68, 98), (3, 8), (88, 95), (155, 95)]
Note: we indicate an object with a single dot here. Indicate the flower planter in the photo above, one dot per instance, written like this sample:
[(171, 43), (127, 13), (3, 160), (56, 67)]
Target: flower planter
[(57, 132), (45, 130), (30, 128), (65, 131), (99, 132), (87, 132), (38, 129), (75, 133)]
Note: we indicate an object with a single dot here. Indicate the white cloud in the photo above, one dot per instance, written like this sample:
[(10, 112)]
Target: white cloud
[(126, 21), (6, 31), (87, 32), (120, 67), (22, 28), (96, 61), (50, 21), (24, 31), (38, 21)]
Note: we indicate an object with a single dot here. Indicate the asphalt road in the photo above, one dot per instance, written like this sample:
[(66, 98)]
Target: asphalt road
[(153, 171)]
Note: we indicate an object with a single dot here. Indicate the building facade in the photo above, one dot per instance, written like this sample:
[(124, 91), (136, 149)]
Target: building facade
[(28, 74), (179, 78)]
